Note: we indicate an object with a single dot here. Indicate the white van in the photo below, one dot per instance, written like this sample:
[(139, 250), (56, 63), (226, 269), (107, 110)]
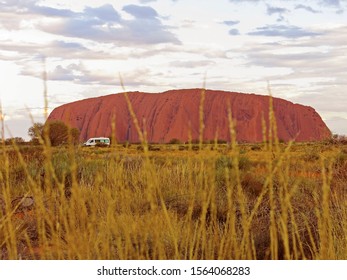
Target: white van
[(97, 141)]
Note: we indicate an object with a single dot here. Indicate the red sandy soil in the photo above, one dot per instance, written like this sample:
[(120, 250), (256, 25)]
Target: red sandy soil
[(175, 114)]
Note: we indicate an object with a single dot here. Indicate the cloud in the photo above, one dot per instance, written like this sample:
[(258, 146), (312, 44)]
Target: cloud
[(147, 1), (32, 7), (307, 8), (142, 12), (64, 74), (8, 56), (240, 1), (49, 12), (275, 10), (310, 71), (324, 101), (20, 52), (145, 28), (78, 73), (340, 5), (192, 63), (105, 13), (69, 46), (335, 3), (289, 60), (234, 32), (101, 24), (288, 31), (205, 51), (318, 57), (81, 74), (231, 22), (188, 23)]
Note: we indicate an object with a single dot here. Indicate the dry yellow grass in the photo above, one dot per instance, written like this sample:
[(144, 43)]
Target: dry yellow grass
[(214, 203)]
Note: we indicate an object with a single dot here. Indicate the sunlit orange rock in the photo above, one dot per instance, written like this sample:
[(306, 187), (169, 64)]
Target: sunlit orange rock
[(175, 114)]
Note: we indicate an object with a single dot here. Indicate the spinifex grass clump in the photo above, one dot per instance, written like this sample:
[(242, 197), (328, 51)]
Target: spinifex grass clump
[(229, 202)]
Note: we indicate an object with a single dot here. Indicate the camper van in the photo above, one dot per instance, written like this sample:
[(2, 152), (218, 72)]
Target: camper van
[(97, 141)]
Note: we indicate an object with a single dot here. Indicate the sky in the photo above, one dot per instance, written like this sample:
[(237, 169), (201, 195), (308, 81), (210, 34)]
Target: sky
[(299, 47)]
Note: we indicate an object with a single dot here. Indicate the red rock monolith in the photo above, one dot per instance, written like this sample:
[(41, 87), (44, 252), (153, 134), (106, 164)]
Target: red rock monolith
[(175, 114)]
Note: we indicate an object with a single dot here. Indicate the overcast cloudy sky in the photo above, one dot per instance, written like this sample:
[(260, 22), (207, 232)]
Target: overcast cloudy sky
[(157, 45)]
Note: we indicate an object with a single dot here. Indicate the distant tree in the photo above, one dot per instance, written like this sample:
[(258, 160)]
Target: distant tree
[(222, 141), (59, 133), (338, 139), (219, 141), (175, 141), (16, 140), (35, 132)]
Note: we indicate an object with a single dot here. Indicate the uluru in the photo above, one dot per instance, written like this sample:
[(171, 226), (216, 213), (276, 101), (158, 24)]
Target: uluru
[(174, 114)]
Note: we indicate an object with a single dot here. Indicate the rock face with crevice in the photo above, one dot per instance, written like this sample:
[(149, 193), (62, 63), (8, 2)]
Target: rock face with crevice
[(175, 114)]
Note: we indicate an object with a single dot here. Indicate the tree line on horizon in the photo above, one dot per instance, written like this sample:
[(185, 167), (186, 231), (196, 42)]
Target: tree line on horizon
[(60, 133)]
